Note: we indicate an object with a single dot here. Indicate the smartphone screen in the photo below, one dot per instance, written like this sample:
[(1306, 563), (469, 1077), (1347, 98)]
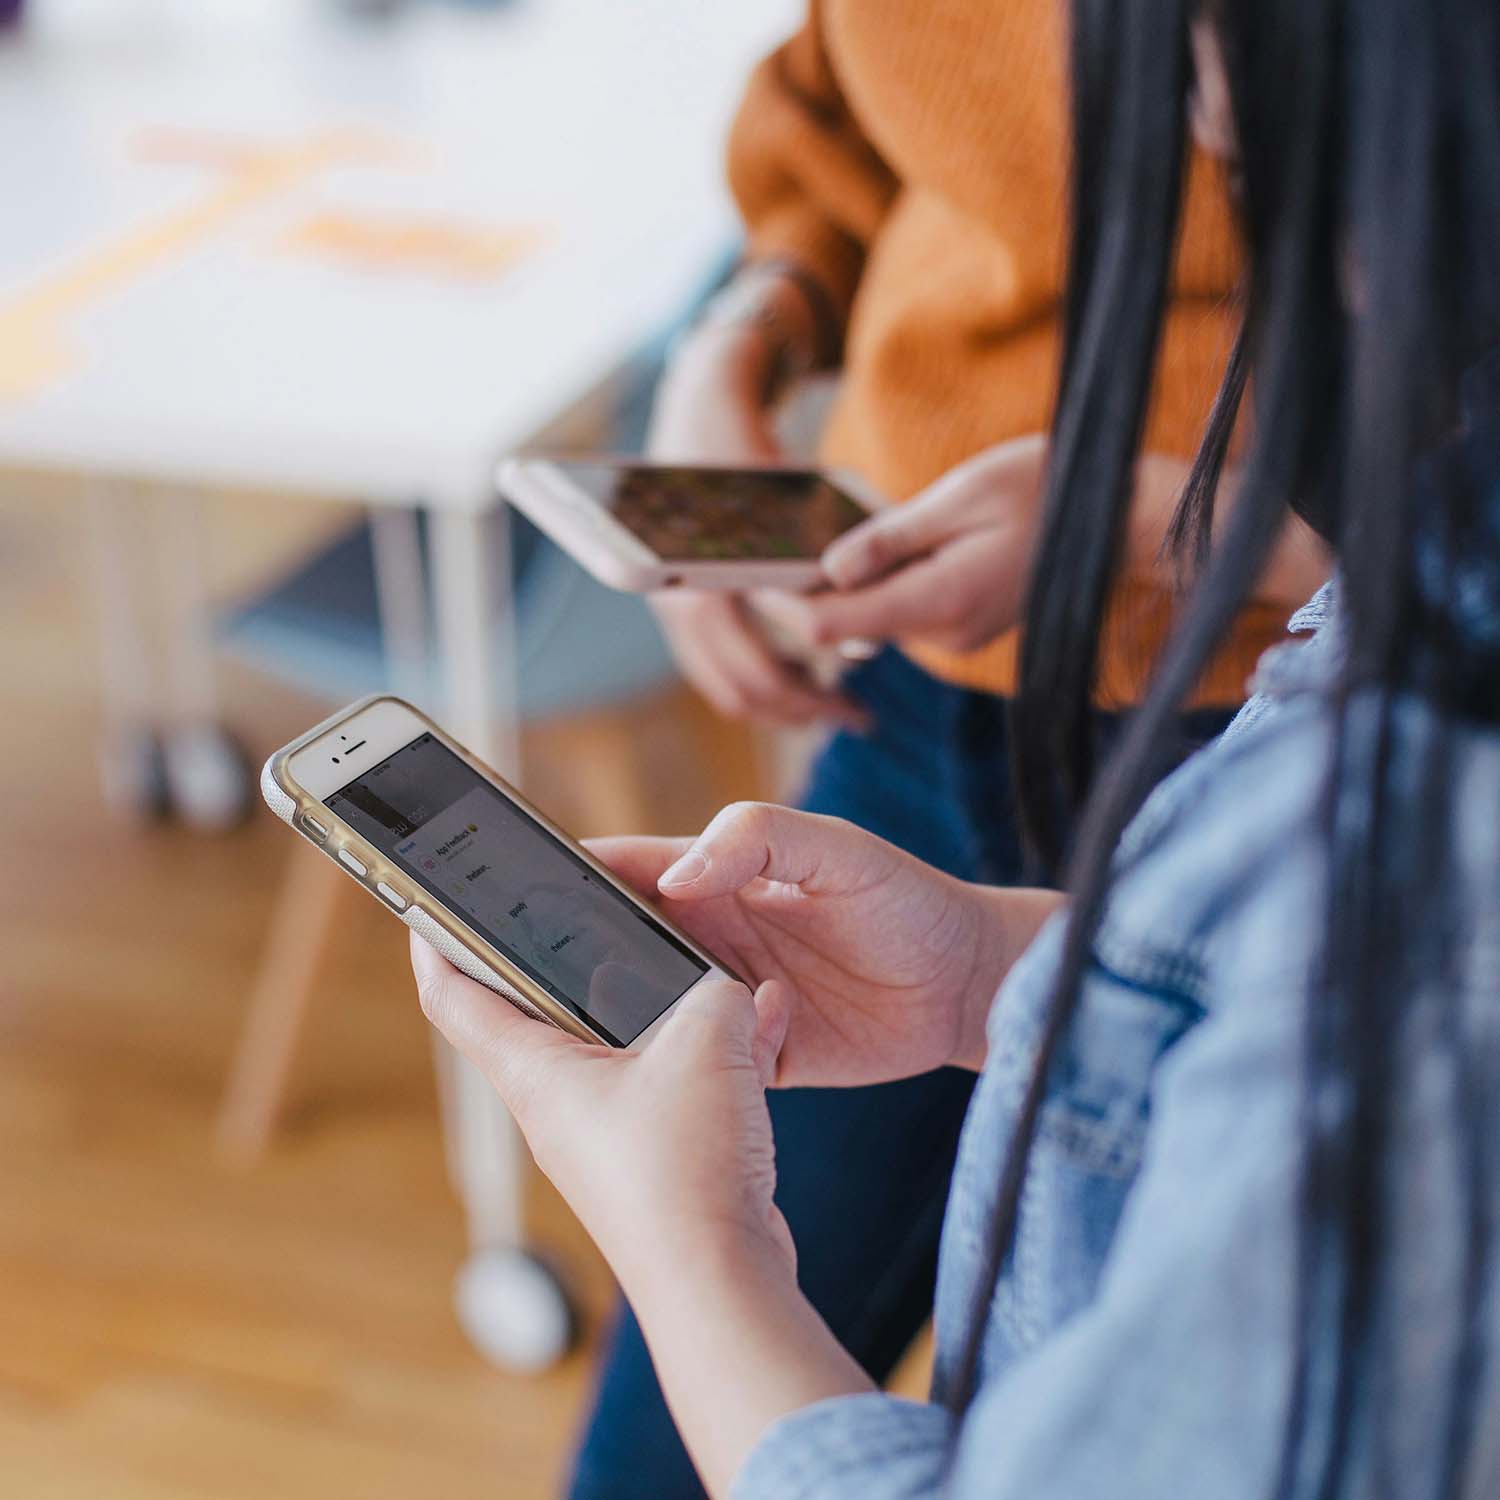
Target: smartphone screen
[(520, 888), (726, 515)]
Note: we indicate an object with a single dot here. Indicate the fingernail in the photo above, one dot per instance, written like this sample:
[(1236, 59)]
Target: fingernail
[(845, 565), (692, 866)]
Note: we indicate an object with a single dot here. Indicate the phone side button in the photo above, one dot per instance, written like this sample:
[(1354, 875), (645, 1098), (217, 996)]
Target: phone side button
[(358, 866), (394, 898)]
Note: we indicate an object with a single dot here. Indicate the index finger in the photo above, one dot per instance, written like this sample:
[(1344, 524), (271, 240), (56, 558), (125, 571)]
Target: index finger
[(884, 542), (638, 861), (985, 483), (759, 841), (911, 601)]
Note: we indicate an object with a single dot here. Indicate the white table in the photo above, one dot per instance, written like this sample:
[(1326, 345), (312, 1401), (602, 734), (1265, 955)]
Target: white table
[(253, 243)]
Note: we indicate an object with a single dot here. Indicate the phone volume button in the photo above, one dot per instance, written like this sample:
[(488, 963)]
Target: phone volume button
[(394, 898), (357, 865)]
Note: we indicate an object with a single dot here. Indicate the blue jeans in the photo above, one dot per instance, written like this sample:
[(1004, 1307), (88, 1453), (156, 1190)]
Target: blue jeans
[(862, 1174)]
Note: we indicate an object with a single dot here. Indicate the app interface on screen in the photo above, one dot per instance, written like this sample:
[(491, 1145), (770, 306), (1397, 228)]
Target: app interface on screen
[(519, 888), (702, 515)]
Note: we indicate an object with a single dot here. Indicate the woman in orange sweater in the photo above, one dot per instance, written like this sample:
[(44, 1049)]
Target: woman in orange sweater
[(902, 172)]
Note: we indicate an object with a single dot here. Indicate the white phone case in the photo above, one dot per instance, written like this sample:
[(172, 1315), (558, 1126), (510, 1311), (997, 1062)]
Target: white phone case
[(287, 804), (432, 921), (620, 560)]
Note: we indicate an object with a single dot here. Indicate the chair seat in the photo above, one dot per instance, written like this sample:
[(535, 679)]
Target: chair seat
[(580, 645)]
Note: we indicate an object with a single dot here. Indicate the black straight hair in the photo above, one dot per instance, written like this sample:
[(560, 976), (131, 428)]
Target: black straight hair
[(1369, 174)]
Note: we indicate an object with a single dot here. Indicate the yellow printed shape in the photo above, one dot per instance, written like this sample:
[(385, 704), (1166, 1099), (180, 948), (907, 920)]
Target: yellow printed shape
[(34, 344), (444, 248)]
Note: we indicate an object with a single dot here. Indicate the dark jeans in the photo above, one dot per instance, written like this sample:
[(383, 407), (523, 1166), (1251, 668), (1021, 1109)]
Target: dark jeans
[(862, 1174)]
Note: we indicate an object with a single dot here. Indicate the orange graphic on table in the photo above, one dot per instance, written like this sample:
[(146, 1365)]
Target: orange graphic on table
[(36, 346), (447, 248)]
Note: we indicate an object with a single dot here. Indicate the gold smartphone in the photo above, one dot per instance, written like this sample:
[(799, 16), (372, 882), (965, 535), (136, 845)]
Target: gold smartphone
[(492, 883)]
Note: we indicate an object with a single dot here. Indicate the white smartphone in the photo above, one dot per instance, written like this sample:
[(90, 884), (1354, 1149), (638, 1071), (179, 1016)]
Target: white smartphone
[(490, 882), (642, 527)]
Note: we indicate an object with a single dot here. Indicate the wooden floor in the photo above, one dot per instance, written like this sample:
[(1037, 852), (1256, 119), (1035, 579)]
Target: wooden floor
[(169, 1326)]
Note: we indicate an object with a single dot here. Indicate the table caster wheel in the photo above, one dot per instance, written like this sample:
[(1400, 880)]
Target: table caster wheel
[(208, 778), (514, 1310), (133, 775)]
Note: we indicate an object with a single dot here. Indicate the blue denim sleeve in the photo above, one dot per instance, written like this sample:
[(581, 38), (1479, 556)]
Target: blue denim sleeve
[(1174, 1375), (871, 1446), (1171, 1380)]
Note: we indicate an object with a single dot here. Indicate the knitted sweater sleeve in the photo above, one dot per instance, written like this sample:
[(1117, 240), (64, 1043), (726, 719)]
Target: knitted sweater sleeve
[(810, 185)]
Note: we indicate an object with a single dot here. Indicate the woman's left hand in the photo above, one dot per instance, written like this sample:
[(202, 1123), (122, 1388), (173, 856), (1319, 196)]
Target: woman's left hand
[(676, 1138), (947, 569)]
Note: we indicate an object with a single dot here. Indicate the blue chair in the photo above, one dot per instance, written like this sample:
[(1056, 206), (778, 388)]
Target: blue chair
[(579, 646)]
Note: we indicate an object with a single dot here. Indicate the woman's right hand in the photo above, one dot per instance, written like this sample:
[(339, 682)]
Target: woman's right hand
[(891, 965), (715, 405)]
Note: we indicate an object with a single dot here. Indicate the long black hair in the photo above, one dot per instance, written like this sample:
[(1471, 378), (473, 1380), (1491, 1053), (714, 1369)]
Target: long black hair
[(1369, 187)]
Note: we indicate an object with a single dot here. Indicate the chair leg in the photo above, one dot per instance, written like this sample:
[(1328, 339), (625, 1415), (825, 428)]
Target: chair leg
[(180, 542), (262, 1066)]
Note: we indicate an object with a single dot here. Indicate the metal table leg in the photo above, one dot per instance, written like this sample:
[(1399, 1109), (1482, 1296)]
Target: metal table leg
[(164, 747), (401, 596), (209, 777), (130, 756)]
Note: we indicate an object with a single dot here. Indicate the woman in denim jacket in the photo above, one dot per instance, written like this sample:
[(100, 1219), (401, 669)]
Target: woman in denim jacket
[(1223, 1220)]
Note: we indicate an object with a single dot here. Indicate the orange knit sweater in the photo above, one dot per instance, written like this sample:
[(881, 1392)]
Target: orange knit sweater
[(914, 159)]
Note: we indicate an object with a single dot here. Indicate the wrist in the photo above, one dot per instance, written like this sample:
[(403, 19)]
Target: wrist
[(745, 349), (669, 1261), (729, 1304), (806, 305), (1008, 921), (776, 310)]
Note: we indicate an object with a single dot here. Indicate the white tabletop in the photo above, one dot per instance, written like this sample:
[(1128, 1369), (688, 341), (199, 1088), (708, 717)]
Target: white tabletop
[(253, 242)]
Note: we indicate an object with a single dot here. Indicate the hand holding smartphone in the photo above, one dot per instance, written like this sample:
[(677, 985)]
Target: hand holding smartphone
[(486, 879), (641, 527)]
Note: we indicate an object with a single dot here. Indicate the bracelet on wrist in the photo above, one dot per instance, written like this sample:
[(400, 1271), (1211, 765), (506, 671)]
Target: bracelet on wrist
[(746, 303), (827, 335)]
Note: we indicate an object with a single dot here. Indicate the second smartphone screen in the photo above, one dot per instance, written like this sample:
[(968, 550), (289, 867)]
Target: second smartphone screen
[(721, 515)]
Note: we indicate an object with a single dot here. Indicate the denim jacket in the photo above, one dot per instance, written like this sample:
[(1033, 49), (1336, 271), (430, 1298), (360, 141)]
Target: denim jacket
[(1138, 1345)]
